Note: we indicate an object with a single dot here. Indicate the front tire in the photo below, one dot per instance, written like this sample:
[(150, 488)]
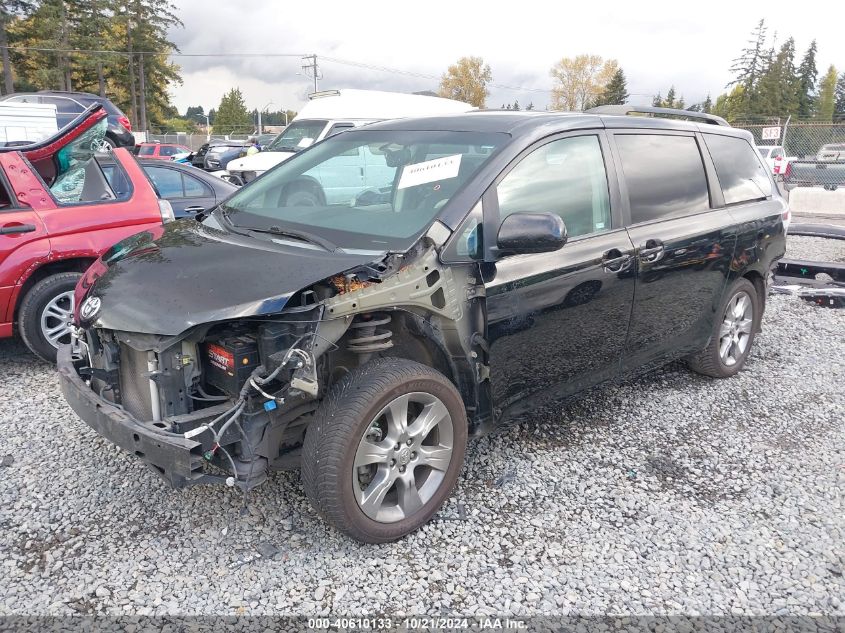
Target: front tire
[(733, 332), (385, 449), (46, 314)]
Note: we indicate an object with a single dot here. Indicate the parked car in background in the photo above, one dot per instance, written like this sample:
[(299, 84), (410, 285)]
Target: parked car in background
[(69, 105), (188, 190), (161, 151), (23, 123), (509, 259), (57, 215), (333, 111), (828, 174), (831, 152), (775, 157), (217, 153)]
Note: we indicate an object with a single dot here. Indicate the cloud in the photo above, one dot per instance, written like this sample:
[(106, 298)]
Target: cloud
[(658, 44)]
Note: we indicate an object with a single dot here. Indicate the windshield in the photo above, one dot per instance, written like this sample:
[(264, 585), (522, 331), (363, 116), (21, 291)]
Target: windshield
[(298, 135), (364, 190), (764, 152)]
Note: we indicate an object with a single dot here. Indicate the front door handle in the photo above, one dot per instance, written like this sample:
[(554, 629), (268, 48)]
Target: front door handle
[(11, 229), (195, 208), (651, 251), (614, 260)]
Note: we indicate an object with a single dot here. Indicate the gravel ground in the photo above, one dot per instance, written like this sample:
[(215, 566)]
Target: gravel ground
[(670, 493), (815, 249)]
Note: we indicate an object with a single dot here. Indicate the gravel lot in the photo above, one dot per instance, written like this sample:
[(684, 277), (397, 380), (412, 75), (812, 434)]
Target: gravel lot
[(815, 249), (670, 493)]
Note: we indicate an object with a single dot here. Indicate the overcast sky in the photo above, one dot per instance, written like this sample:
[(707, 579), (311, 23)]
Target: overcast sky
[(657, 43)]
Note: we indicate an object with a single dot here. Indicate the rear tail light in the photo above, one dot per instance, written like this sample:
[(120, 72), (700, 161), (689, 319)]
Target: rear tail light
[(788, 171), (125, 123), (166, 211)]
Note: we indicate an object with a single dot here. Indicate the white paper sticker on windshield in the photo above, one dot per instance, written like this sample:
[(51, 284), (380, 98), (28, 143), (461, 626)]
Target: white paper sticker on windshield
[(305, 141), (430, 171)]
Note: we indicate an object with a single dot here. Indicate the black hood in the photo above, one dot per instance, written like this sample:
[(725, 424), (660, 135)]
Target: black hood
[(186, 273)]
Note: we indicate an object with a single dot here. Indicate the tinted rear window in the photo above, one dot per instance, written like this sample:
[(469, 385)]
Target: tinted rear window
[(664, 174), (741, 174)]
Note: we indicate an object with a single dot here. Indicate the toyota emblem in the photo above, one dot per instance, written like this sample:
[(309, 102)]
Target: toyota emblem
[(90, 308)]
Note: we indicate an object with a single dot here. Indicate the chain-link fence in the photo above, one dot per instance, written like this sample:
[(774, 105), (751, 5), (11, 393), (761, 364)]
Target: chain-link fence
[(193, 141), (803, 153)]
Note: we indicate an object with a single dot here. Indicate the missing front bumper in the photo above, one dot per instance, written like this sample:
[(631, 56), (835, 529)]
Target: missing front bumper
[(179, 461)]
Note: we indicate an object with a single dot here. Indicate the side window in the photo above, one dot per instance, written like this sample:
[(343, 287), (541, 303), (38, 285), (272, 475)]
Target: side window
[(63, 105), (147, 150), (167, 181), (665, 175), (566, 177), (194, 188), (741, 174), (167, 150)]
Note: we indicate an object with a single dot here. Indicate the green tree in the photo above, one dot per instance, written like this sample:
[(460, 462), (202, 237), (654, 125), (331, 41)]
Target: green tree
[(707, 104), (731, 106), (827, 95), (777, 90), (750, 65), (466, 80), (232, 115), (807, 74), (670, 101), (10, 11), (615, 92), (515, 105), (839, 102), (530, 105)]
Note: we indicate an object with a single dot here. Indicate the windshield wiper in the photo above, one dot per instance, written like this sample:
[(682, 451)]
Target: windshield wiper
[(298, 235), (284, 148)]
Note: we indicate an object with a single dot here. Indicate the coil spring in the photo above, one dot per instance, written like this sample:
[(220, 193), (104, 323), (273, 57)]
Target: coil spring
[(368, 335)]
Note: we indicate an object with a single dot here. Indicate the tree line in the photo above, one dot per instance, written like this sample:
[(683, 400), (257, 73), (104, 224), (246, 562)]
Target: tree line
[(123, 51), (770, 81)]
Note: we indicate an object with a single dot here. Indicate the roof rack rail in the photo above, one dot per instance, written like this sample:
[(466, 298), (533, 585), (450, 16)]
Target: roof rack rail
[(622, 110)]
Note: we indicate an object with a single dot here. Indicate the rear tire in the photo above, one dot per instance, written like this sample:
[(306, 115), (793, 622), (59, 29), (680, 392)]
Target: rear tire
[(44, 309), (733, 332), (361, 473)]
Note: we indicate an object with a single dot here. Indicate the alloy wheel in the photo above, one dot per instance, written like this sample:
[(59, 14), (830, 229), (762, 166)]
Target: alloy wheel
[(735, 331), (57, 319), (403, 457)]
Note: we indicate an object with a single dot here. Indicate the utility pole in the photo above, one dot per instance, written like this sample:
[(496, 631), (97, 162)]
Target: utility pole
[(310, 68)]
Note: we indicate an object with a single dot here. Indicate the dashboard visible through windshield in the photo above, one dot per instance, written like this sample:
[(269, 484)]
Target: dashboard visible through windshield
[(364, 190)]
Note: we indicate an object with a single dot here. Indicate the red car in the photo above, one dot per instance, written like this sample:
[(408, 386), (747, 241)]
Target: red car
[(57, 215), (164, 151)]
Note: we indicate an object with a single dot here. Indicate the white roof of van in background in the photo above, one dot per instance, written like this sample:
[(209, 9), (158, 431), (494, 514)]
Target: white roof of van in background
[(348, 103)]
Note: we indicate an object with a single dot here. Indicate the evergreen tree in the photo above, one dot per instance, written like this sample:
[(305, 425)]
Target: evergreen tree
[(827, 95), (707, 105), (615, 92), (232, 115), (669, 102), (807, 74), (839, 100), (657, 101), (777, 91), (10, 10), (193, 111), (515, 105), (750, 65), (530, 105)]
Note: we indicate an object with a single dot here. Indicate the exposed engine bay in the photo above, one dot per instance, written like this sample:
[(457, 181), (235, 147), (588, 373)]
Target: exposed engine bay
[(238, 394)]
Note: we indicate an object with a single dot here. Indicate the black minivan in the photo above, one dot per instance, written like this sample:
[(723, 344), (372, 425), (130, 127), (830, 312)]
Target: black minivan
[(363, 333)]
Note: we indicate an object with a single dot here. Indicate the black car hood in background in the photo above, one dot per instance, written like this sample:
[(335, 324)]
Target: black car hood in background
[(186, 273)]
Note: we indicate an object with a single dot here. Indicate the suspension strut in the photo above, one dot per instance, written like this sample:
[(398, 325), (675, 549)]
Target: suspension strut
[(369, 335)]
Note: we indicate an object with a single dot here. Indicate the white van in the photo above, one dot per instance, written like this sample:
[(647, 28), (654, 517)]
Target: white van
[(26, 122), (331, 112)]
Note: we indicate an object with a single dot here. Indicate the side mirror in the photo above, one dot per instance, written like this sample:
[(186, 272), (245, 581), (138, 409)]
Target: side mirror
[(531, 233)]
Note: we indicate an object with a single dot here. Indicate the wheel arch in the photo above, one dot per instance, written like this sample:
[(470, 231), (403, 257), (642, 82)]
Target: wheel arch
[(53, 267)]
